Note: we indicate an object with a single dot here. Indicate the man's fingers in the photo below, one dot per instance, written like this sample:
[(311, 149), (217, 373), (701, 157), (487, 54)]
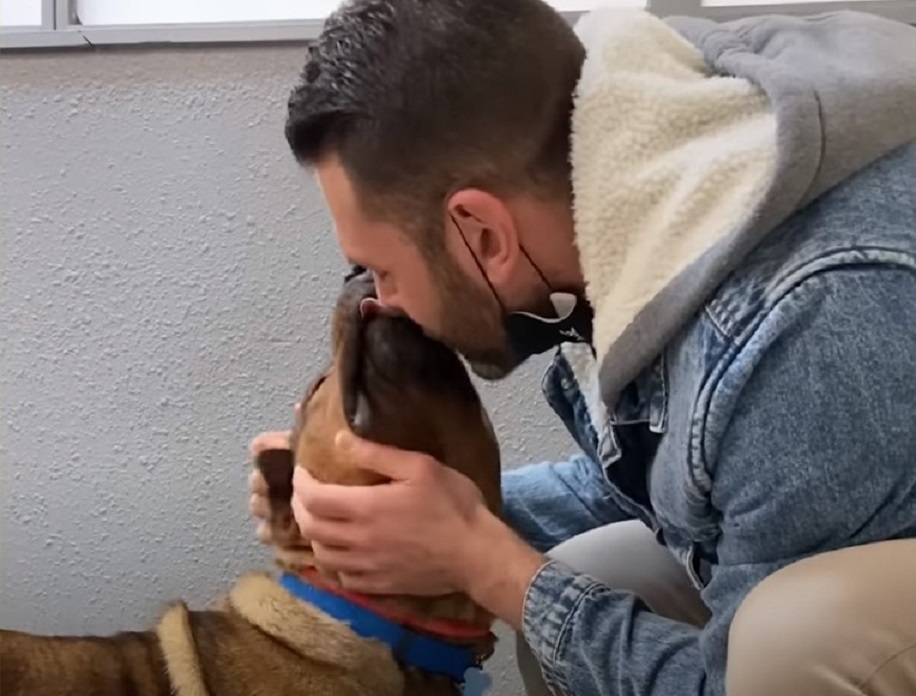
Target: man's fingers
[(259, 507), (264, 533), (327, 500), (267, 441), (393, 463), (257, 483), (341, 560), (328, 532)]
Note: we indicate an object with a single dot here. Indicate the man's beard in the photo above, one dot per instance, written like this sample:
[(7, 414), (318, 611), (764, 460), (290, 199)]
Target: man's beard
[(471, 323)]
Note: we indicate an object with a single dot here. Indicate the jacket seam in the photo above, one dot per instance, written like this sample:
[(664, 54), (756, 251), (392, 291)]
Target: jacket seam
[(707, 310), (563, 635), (794, 275)]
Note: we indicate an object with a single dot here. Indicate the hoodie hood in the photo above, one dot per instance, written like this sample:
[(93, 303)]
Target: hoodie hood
[(691, 140)]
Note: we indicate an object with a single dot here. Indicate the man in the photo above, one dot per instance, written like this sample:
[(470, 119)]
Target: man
[(714, 225)]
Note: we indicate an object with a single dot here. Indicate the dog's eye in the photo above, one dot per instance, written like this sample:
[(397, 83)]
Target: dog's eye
[(304, 404)]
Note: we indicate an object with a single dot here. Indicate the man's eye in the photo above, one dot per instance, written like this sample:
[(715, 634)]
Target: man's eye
[(355, 270)]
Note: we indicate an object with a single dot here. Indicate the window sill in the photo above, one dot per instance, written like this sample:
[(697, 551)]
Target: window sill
[(77, 36), (88, 37)]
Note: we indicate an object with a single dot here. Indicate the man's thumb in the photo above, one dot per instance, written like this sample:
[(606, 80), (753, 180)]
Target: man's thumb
[(382, 459)]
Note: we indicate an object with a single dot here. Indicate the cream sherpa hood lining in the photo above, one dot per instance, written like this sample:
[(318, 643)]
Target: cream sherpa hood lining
[(692, 139), (667, 160)]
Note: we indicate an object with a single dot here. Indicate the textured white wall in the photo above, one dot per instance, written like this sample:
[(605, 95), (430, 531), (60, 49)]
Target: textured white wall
[(166, 278)]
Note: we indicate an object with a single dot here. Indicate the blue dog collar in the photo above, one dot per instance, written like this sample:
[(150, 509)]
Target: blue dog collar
[(409, 647)]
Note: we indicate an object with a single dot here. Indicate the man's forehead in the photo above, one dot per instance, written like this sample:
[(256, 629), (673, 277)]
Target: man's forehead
[(357, 257), (374, 247), (363, 239)]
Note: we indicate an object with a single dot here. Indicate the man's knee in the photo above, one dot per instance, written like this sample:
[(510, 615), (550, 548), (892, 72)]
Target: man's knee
[(838, 623)]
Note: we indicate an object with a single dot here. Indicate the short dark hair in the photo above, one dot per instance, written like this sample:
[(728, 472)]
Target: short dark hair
[(418, 98)]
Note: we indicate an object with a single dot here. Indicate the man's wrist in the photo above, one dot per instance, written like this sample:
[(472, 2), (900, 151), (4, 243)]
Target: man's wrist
[(498, 567)]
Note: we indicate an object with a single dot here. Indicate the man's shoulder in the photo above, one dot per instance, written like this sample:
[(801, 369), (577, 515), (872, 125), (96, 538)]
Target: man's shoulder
[(868, 220), (867, 223), (820, 305), (807, 433), (796, 420)]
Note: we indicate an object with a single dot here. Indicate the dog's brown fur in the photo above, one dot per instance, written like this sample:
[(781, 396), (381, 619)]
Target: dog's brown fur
[(388, 383)]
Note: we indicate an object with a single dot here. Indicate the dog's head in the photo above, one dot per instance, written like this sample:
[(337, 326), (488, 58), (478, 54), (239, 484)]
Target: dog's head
[(390, 383)]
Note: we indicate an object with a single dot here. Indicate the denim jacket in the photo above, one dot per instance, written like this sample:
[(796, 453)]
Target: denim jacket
[(774, 417)]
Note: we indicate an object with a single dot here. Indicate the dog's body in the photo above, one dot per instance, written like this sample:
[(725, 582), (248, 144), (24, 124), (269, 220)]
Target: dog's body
[(388, 383), (262, 640)]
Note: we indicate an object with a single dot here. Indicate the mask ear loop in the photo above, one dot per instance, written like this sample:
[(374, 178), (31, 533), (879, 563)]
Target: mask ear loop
[(477, 263), (536, 269), (480, 267)]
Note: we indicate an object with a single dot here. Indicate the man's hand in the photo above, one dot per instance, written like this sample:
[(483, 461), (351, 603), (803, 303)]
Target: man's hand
[(425, 532), (418, 523)]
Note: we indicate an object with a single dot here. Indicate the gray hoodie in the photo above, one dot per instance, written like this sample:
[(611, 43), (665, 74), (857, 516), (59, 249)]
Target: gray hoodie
[(692, 140)]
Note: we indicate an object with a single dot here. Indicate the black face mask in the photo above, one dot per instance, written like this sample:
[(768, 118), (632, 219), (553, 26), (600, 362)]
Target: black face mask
[(531, 334)]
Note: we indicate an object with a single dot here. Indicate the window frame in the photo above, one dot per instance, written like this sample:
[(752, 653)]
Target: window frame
[(60, 27)]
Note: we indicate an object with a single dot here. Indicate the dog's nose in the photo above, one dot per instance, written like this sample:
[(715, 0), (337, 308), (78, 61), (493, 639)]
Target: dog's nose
[(369, 307)]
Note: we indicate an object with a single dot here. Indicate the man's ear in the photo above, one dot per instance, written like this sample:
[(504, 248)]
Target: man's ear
[(487, 229)]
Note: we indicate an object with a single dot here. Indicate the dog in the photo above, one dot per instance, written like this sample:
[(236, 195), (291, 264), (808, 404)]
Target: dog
[(296, 631)]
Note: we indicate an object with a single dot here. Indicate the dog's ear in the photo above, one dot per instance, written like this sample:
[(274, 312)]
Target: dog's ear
[(276, 466), (353, 395)]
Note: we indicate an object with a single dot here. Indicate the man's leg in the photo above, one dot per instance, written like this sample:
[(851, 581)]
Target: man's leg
[(838, 624), (548, 503), (624, 556)]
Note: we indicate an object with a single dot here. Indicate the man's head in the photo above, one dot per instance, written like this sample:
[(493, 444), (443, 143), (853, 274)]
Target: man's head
[(439, 130)]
